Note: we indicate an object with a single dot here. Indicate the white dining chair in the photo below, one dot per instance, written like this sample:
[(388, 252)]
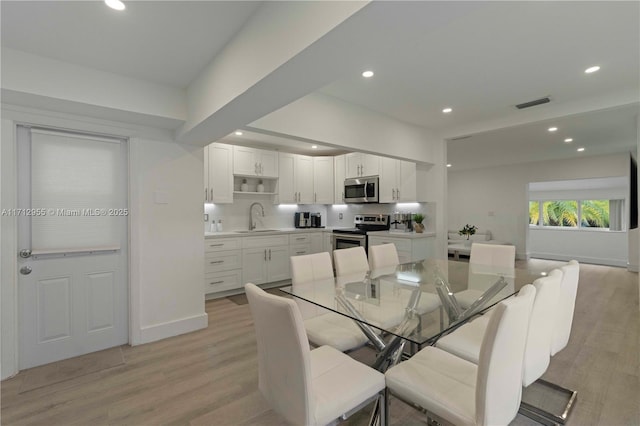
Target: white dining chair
[(466, 341), (306, 387), (350, 261), (383, 256), (566, 306), (499, 255), (322, 326), (464, 393)]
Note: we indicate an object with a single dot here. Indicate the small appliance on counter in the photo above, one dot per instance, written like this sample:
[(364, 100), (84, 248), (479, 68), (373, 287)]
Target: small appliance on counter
[(402, 222), (302, 220), (307, 220)]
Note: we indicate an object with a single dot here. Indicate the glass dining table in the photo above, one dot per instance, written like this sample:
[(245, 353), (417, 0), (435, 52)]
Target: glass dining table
[(410, 304)]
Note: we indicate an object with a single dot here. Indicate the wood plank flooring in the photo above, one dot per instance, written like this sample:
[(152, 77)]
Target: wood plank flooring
[(210, 377)]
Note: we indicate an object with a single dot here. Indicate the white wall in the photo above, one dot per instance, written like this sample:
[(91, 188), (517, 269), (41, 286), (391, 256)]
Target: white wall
[(167, 242), (495, 198)]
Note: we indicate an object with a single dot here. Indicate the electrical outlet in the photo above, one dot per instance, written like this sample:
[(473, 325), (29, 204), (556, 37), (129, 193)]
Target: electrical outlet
[(206, 217), (340, 216)]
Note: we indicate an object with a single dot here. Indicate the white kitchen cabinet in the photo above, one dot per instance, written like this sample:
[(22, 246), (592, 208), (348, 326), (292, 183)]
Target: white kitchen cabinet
[(306, 243), (327, 244), (359, 164), (219, 173), (206, 174), (223, 265), (397, 181), (339, 170), (255, 162), (295, 184), (265, 259), (323, 180), (409, 249)]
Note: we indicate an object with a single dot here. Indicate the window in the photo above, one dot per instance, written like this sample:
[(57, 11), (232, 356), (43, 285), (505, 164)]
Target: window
[(560, 213), (591, 214)]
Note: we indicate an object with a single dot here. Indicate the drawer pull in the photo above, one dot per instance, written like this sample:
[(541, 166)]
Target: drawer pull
[(216, 282), (301, 238), (300, 252), (216, 245), (215, 262)]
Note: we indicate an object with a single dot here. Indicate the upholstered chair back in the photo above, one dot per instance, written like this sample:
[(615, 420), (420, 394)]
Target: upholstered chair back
[(543, 316), (493, 254), (308, 268), (350, 261), (284, 373), (566, 306), (499, 380), (383, 256)]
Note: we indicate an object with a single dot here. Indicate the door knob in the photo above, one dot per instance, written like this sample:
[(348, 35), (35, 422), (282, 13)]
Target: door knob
[(25, 253), (25, 270)]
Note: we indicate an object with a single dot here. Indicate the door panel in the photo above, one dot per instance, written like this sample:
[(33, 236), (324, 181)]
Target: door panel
[(73, 289)]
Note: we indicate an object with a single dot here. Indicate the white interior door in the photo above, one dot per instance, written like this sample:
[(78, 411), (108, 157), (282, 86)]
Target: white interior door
[(72, 236)]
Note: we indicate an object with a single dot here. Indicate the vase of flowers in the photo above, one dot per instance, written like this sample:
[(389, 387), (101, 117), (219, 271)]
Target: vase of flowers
[(468, 230), (417, 225)]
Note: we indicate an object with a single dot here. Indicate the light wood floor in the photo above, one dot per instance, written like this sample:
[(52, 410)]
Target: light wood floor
[(209, 377)]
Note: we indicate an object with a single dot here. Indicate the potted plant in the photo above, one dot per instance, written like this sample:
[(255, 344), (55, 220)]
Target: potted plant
[(418, 226), (468, 230)]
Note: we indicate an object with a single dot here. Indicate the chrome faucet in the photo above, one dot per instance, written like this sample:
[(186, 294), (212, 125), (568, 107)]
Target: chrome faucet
[(252, 224)]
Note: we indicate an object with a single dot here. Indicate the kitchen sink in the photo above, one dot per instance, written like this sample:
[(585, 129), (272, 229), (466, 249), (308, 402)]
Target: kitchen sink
[(256, 230)]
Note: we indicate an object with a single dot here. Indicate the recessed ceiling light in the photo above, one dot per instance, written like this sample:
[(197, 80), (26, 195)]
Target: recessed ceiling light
[(580, 149), (367, 74), (552, 129), (115, 4), (314, 146), (238, 133), (447, 110), (567, 140), (592, 69), (448, 165)]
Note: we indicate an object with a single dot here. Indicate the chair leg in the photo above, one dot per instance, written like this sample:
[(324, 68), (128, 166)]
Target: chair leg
[(534, 412), (380, 413)]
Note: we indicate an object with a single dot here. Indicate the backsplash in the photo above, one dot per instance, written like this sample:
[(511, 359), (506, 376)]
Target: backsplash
[(236, 216)]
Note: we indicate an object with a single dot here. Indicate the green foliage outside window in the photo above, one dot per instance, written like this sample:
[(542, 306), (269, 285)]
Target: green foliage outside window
[(595, 213), (560, 213)]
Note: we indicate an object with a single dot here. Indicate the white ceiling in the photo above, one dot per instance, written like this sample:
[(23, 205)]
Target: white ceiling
[(167, 42), (492, 56)]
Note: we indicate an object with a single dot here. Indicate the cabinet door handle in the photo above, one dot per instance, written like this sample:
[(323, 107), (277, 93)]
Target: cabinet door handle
[(216, 282), (301, 238), (205, 195), (211, 194), (216, 262), (265, 255), (393, 193), (216, 245), (343, 196), (269, 254), (315, 197), (300, 252)]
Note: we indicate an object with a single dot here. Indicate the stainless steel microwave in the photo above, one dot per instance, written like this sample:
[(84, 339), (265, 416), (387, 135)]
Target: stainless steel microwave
[(361, 190)]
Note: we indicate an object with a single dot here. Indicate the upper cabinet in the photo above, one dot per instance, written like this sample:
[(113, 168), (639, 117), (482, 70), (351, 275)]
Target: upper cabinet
[(218, 176), (295, 184), (255, 162), (339, 172), (323, 180), (397, 181), (359, 164)]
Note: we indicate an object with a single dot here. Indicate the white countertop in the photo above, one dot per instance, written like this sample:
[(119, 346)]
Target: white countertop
[(258, 233), (393, 234)]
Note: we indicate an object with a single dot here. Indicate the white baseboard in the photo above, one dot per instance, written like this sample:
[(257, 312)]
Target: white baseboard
[(581, 259), (173, 328), (632, 267)]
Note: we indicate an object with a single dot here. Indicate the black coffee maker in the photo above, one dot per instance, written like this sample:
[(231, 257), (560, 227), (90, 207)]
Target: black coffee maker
[(316, 220)]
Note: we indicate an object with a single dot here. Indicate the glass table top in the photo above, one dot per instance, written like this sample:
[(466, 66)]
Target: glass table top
[(415, 301)]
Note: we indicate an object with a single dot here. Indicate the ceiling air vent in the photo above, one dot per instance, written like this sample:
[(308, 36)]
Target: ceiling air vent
[(533, 103)]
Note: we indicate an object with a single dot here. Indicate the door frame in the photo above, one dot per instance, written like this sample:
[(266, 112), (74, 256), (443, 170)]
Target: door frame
[(13, 116)]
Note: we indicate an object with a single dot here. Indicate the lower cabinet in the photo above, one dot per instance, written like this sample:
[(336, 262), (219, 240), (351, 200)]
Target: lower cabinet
[(409, 249), (265, 259), (223, 265)]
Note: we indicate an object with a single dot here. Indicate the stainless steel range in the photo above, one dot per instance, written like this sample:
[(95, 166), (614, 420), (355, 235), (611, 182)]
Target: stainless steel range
[(354, 237)]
